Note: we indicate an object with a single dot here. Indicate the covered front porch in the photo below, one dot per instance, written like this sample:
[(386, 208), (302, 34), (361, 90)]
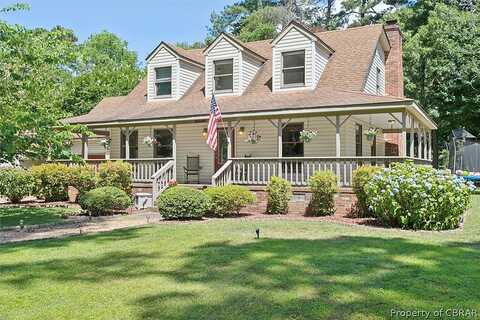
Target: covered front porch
[(254, 147)]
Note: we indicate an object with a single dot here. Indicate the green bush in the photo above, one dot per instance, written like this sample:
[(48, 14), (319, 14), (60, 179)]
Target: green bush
[(115, 174), (104, 200), (51, 181), (83, 178), (323, 185), (182, 203), (15, 184), (228, 199), (417, 197), (279, 192), (361, 177)]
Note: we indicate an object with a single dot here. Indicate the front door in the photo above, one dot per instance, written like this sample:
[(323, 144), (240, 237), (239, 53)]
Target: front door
[(221, 155)]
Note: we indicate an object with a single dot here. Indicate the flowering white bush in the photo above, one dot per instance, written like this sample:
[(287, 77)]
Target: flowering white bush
[(418, 197)]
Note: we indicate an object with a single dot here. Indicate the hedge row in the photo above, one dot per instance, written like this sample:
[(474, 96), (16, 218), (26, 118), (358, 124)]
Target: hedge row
[(187, 203), (51, 181)]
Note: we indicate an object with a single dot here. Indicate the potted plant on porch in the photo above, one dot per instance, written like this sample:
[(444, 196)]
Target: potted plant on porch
[(307, 135), (371, 133)]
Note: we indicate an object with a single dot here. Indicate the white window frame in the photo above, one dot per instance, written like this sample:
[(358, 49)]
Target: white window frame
[(293, 85), (224, 61), (163, 80)]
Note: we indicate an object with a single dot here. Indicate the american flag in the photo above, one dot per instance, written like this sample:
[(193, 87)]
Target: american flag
[(215, 116)]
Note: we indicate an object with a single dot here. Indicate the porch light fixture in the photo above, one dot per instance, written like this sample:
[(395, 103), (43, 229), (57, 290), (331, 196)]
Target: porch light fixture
[(204, 132), (241, 131), (391, 123)]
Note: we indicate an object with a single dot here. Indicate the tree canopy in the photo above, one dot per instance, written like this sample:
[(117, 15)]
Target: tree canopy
[(46, 75)]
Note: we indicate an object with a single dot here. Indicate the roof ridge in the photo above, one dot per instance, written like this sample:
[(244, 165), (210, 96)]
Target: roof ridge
[(351, 28)]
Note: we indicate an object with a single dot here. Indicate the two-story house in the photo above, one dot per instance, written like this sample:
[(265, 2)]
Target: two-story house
[(274, 96)]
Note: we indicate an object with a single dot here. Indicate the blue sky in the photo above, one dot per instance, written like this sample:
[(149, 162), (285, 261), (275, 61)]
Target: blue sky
[(142, 23)]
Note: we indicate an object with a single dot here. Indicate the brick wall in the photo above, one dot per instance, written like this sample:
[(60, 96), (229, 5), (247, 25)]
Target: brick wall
[(394, 61)]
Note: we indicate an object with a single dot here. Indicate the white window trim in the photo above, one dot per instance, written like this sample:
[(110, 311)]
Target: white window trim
[(163, 80), (222, 75), (282, 76)]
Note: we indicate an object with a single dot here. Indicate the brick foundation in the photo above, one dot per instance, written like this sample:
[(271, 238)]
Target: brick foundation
[(298, 205)]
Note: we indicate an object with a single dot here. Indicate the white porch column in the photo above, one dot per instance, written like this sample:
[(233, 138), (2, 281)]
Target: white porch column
[(279, 145), (430, 155), (403, 138), (337, 146), (229, 140), (420, 142), (174, 150), (127, 143), (412, 137), (85, 147), (425, 155)]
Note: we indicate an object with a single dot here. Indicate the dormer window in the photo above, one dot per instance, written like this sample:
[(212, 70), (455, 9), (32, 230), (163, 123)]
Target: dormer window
[(293, 69), (163, 81), (223, 76)]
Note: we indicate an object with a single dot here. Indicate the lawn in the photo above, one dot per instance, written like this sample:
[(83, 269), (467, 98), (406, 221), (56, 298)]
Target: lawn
[(11, 217), (218, 270)]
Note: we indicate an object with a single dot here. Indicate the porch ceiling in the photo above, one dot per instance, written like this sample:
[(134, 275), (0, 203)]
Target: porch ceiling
[(379, 113)]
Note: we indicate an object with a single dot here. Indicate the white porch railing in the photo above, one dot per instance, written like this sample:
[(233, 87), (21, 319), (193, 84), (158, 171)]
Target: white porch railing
[(161, 178), (258, 171), (224, 175), (142, 169)]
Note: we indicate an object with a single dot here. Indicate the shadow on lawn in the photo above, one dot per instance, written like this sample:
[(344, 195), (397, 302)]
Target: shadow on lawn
[(312, 279), (273, 278)]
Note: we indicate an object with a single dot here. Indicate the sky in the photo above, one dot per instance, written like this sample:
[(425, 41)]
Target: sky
[(142, 23)]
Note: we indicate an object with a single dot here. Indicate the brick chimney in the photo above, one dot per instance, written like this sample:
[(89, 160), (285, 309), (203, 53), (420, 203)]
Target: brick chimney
[(394, 60)]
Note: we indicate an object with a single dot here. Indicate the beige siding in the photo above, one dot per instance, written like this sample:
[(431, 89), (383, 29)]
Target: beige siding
[(321, 60), (94, 146), (188, 75), (115, 144), (371, 81), (163, 58), (266, 148), (250, 68), (222, 50), (191, 142), (292, 41)]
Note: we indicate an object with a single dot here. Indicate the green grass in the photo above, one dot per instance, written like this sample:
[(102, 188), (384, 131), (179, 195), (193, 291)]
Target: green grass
[(218, 270), (10, 217)]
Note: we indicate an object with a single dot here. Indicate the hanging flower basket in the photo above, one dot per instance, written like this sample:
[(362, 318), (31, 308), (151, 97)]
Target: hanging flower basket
[(307, 135), (106, 143), (253, 137), (371, 133), (149, 141)]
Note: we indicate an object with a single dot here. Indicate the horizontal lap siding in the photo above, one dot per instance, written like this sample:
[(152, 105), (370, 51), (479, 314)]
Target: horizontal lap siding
[(188, 75), (223, 50), (94, 146), (191, 142), (249, 70), (267, 147), (292, 41), (371, 81), (162, 59), (321, 60)]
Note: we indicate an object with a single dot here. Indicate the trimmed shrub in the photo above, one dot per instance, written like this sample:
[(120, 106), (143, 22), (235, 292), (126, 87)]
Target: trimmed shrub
[(83, 178), (183, 203), (104, 200), (51, 181), (116, 174), (228, 199), (15, 184), (417, 197), (361, 177), (323, 185), (279, 192)]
